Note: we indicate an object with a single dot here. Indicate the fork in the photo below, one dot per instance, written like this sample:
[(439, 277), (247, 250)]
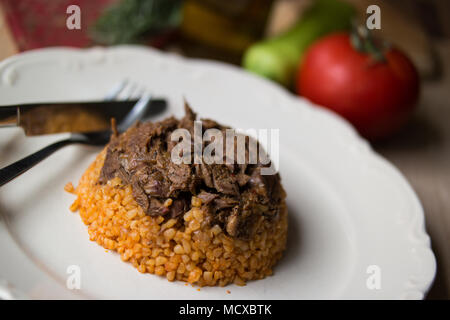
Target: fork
[(98, 138)]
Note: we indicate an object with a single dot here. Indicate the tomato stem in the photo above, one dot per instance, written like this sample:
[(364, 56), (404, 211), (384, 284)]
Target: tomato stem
[(362, 40)]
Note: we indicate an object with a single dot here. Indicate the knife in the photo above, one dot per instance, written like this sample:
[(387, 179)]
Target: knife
[(46, 118)]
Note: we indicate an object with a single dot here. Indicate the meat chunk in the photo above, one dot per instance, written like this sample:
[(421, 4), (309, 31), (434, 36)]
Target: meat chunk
[(179, 207), (111, 165), (234, 195), (141, 197), (224, 181)]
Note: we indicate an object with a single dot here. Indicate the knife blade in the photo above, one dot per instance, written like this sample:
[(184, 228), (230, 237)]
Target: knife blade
[(47, 118)]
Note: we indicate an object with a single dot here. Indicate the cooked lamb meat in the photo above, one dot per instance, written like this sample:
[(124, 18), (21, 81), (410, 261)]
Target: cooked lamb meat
[(236, 196), (206, 197)]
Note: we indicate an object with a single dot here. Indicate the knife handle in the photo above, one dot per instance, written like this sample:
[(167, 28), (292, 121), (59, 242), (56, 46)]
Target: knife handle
[(9, 117)]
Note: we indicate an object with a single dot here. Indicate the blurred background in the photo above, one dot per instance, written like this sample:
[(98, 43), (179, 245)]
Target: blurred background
[(246, 32), (213, 29)]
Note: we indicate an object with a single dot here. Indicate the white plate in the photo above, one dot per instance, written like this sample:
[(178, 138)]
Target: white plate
[(349, 208)]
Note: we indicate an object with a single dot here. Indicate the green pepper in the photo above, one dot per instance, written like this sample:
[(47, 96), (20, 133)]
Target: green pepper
[(278, 58)]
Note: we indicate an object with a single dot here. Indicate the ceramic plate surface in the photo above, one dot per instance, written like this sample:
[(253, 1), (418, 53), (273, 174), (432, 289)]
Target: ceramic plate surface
[(352, 214)]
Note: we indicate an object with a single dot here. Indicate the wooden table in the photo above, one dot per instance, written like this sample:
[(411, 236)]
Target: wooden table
[(421, 151)]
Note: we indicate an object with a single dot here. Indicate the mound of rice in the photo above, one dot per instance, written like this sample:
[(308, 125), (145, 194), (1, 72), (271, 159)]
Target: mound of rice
[(190, 251)]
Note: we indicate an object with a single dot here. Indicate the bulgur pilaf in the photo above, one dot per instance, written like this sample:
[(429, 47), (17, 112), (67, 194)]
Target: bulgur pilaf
[(193, 252), (204, 223)]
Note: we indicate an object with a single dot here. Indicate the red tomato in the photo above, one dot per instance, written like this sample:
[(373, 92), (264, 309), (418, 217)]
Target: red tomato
[(377, 97)]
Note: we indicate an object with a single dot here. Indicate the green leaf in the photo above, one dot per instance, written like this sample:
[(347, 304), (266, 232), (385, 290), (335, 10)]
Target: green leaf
[(130, 21)]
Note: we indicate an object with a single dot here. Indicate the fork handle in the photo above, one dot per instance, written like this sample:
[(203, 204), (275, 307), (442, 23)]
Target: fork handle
[(17, 168)]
